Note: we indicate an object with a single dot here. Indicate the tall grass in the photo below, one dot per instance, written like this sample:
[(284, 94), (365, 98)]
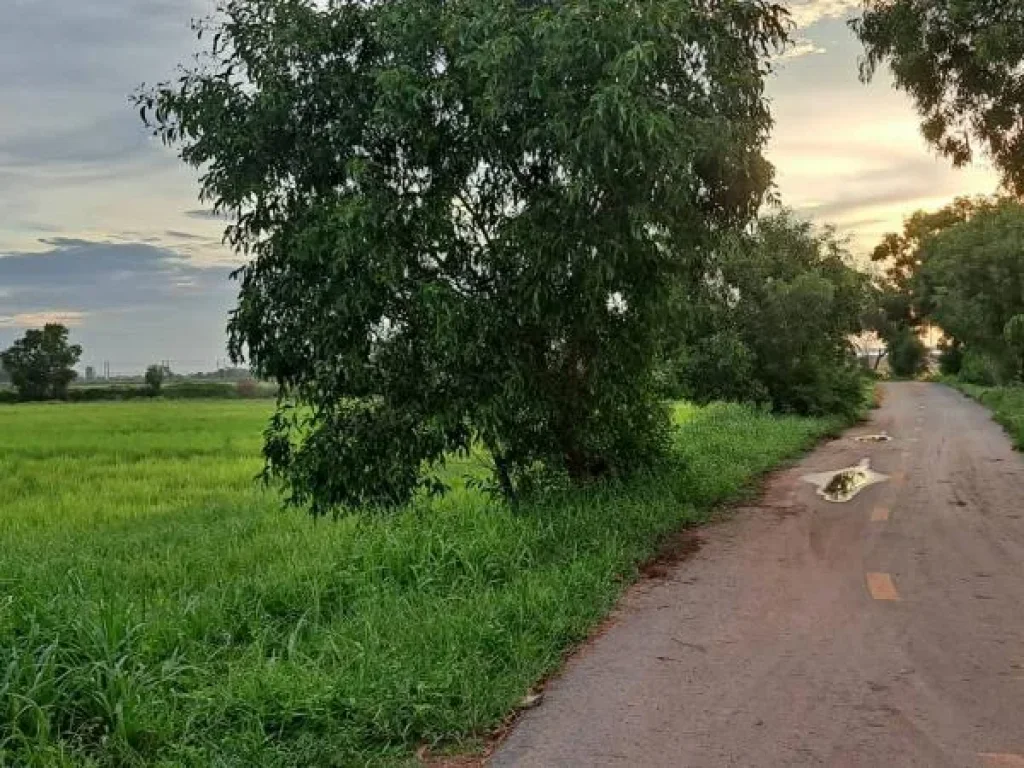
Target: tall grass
[(157, 607)]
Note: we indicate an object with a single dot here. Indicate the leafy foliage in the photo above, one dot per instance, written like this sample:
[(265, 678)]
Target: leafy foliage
[(464, 219), (961, 61), (902, 303), (40, 363), (908, 356), (1013, 335), (951, 357), (972, 279), (775, 322)]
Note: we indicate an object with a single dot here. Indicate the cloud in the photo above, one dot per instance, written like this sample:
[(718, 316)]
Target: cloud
[(807, 12), (202, 214), (107, 142), (800, 48), (69, 318), (74, 156), (130, 303), (93, 276)]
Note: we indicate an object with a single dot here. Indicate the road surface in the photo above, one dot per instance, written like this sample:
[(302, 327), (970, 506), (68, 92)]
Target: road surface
[(887, 631)]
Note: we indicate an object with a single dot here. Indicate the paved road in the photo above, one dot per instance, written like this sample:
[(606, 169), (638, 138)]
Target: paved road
[(888, 631)]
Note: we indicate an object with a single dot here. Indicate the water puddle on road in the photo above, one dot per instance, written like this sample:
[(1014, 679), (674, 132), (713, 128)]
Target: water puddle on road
[(842, 485), (882, 437)]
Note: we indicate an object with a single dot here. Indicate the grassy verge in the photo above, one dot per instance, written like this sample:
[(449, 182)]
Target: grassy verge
[(158, 608), (1006, 404)]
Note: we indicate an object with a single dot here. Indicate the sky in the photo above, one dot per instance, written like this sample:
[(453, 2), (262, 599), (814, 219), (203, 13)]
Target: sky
[(101, 227)]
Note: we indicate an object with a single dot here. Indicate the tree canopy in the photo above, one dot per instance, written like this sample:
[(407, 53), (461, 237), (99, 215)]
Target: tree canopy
[(463, 219), (972, 281), (780, 305), (901, 305), (40, 364), (962, 269), (961, 62)]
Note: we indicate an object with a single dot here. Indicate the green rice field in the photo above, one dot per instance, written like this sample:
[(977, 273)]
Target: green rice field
[(159, 607)]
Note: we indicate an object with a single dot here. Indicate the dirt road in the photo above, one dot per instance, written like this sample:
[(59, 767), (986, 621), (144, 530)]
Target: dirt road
[(887, 631)]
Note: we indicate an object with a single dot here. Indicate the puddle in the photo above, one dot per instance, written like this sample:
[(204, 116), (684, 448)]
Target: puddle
[(842, 485), (882, 437)]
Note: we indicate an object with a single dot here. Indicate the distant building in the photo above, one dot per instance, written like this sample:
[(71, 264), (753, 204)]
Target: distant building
[(90, 373)]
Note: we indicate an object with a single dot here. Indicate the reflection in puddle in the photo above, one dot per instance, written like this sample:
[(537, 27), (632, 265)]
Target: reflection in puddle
[(843, 484), (882, 437)]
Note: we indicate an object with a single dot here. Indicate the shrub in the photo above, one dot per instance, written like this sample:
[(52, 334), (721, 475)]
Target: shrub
[(908, 356), (776, 322), (980, 368), (951, 358), (154, 379), (722, 367)]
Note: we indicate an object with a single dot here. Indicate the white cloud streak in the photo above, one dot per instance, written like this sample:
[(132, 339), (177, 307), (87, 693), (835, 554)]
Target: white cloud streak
[(808, 12), (800, 49)]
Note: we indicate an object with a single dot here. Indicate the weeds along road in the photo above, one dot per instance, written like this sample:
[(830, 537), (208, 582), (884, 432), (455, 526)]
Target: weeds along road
[(887, 631)]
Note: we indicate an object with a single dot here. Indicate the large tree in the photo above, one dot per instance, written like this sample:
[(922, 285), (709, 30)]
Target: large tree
[(463, 219), (40, 363), (962, 61)]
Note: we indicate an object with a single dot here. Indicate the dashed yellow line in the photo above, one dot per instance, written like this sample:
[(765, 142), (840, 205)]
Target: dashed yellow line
[(880, 514), (1001, 760), (881, 587)]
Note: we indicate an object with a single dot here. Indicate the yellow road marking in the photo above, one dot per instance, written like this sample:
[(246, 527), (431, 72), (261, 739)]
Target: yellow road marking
[(1001, 760), (881, 587), (879, 514)]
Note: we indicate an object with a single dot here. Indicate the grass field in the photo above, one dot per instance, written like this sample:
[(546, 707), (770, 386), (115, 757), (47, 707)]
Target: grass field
[(157, 607)]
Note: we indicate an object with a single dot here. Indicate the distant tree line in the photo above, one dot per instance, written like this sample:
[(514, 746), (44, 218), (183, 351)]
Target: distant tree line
[(39, 366)]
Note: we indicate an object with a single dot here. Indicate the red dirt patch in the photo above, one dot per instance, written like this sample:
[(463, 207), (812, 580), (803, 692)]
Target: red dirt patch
[(675, 549)]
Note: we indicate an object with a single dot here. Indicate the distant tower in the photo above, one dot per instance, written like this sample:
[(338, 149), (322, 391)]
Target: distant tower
[(90, 373)]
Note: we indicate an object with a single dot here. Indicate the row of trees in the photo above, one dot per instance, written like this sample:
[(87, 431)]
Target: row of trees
[(40, 365), (508, 224), (962, 269)]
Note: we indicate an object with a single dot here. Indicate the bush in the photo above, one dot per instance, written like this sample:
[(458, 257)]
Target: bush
[(908, 356), (980, 368), (722, 367), (96, 394), (789, 302), (187, 390), (951, 358)]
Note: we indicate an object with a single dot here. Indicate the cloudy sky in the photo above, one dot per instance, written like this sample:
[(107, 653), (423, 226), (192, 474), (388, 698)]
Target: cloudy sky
[(100, 227)]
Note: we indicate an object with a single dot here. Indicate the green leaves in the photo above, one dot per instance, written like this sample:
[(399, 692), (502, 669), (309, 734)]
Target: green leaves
[(960, 60), (775, 323), (972, 281), (439, 200)]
